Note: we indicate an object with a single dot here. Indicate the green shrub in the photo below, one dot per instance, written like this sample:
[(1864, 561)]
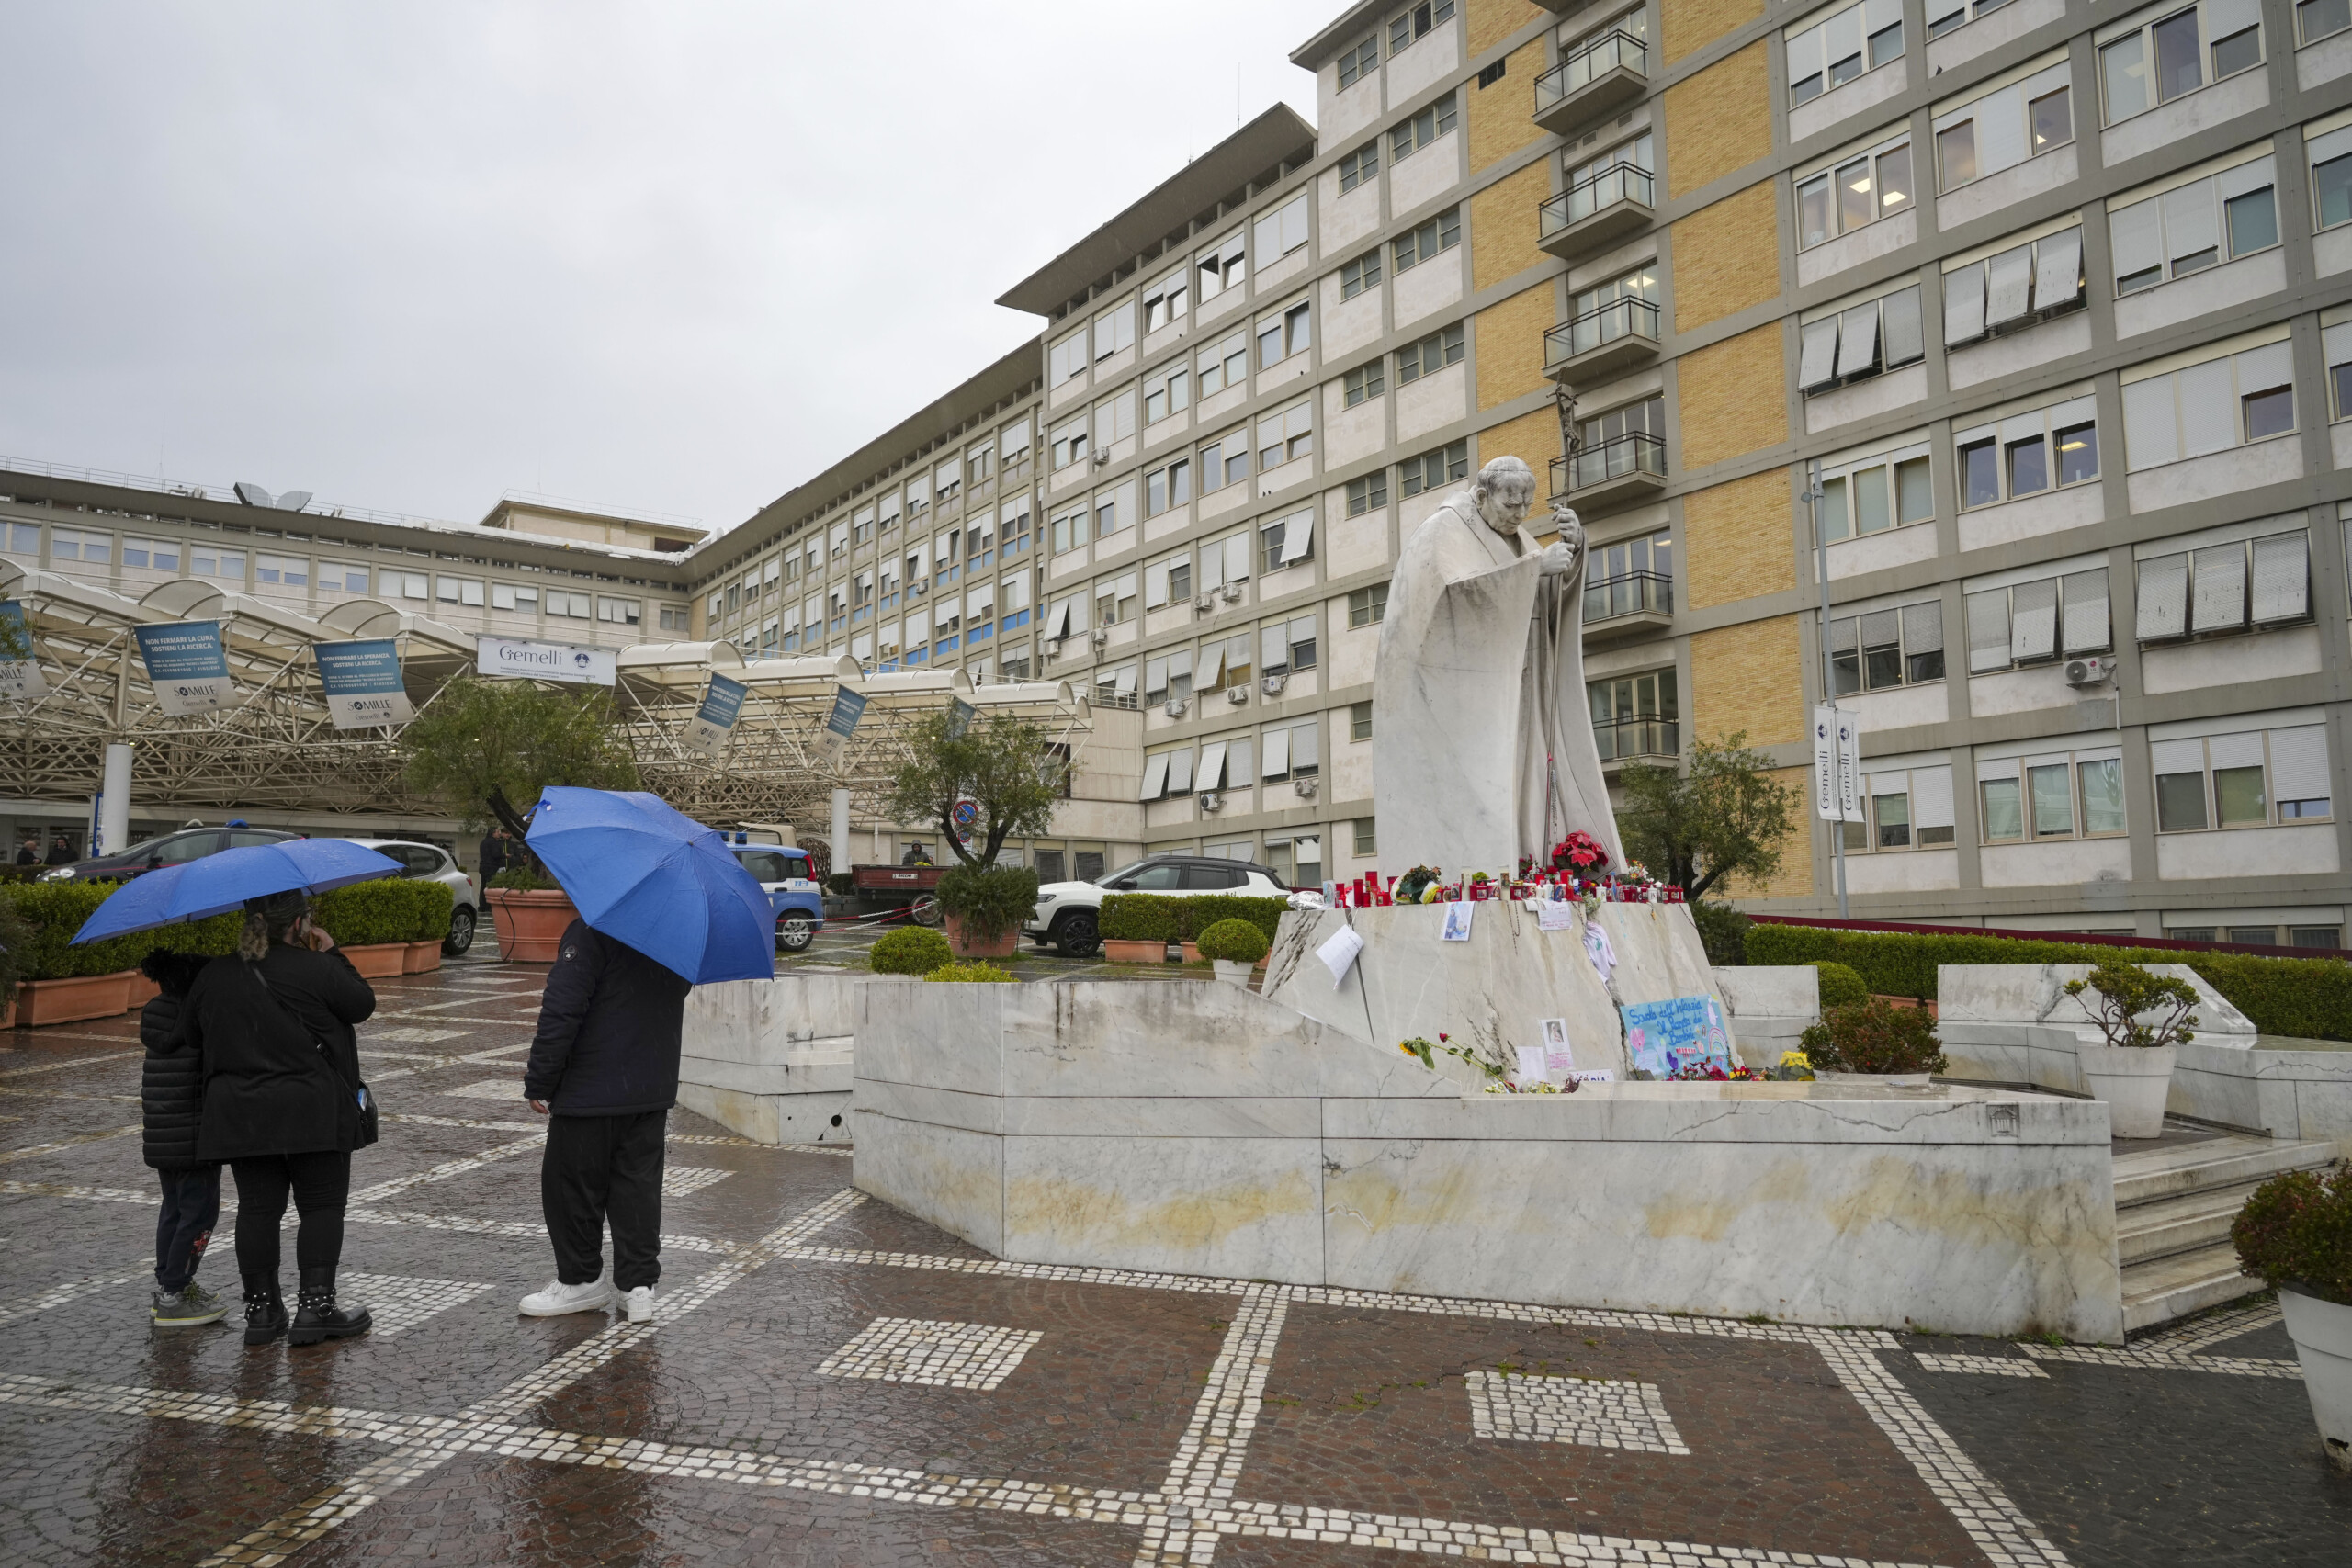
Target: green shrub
[(15, 955), (1724, 930), (909, 950), (2310, 998), (1873, 1036), (527, 877), (1236, 941), (1138, 917), (982, 974), (1199, 912), (841, 884), (2297, 1231), (989, 901), (1841, 987), (395, 910), (55, 910)]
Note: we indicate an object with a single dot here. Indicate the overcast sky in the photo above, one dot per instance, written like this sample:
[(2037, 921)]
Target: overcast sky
[(653, 259)]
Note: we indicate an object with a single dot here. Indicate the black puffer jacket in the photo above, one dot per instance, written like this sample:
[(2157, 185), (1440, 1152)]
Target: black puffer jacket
[(278, 1079), (611, 1025), (171, 1087)]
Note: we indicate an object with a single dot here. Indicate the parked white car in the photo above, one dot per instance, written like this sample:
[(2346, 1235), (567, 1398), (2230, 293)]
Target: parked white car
[(436, 863), (1068, 915)]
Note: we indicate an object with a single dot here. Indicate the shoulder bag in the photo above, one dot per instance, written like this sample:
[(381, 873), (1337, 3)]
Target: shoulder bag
[(365, 1096)]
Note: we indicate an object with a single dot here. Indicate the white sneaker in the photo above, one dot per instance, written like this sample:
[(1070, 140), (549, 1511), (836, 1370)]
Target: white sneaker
[(639, 1303), (559, 1298)]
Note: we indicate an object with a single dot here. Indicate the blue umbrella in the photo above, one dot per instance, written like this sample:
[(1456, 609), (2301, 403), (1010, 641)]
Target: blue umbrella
[(647, 875), (217, 883)]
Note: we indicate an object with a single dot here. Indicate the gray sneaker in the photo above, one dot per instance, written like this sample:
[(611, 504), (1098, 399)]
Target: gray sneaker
[(186, 1308)]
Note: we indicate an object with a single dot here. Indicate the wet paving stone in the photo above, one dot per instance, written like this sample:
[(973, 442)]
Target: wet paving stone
[(830, 1382)]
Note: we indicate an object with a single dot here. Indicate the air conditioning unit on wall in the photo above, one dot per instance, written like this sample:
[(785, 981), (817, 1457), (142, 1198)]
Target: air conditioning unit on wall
[(1304, 788), (2088, 672), (1212, 801)]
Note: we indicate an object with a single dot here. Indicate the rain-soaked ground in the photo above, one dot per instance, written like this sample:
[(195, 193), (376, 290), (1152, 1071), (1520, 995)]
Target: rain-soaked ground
[(827, 1380)]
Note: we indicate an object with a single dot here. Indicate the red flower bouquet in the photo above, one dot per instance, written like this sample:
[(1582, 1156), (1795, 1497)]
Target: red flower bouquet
[(1579, 853)]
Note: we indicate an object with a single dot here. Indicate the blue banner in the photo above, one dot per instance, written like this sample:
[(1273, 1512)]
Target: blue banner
[(848, 708), (19, 676), (363, 682), (715, 720), (187, 666), (1663, 1037)]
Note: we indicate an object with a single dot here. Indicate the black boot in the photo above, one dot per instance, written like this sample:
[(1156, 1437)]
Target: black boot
[(265, 1310), (317, 1318)]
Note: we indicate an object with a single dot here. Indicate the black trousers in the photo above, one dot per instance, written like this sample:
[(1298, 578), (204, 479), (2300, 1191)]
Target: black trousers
[(600, 1169), (184, 1228), (321, 1186)]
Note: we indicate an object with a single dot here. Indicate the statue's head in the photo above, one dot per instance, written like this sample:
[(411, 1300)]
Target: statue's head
[(1505, 493)]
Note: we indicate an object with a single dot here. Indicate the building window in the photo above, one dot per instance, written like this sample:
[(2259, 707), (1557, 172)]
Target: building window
[(1904, 808), (1283, 334), (1629, 577), (2316, 20), (2330, 161), (1065, 359), (1368, 492), (1861, 340), (163, 555), (571, 606), (1286, 541), (1069, 528), (1359, 165), (1365, 843), (1360, 59), (1281, 231), (2219, 403), (80, 544), (1367, 607), (1225, 460), (2161, 61), (1359, 275), (1639, 716), (1115, 419), (1014, 535), (1407, 137), (291, 572), (1163, 303), (1410, 26), (1171, 486), (1286, 436), (2336, 346), (1625, 440), (1886, 490), (1430, 356), (2049, 617), (1948, 16), (1441, 232), (1359, 721), (1832, 52), (1070, 441), (1168, 679), (2244, 585), (465, 590), (1114, 329), (2252, 779), (1115, 509), (1362, 384), (2015, 288), (2003, 129), (1115, 600), (1222, 266), (2027, 453), (2064, 794), (1168, 393), (1886, 649), (1858, 191), (1435, 470), (2188, 228), (1226, 364), (524, 599), (1226, 563)]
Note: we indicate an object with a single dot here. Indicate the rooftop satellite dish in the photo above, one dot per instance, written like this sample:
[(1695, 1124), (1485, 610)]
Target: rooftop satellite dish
[(253, 494), (294, 500)]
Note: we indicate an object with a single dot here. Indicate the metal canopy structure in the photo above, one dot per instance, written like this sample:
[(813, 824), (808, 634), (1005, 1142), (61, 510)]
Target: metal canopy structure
[(278, 747)]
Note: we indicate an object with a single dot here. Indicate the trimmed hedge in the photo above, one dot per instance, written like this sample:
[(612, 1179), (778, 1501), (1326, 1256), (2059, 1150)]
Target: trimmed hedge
[(54, 911), (1841, 987), (395, 910), (1234, 941), (909, 950), (2309, 997), (1137, 916), (981, 974), (1198, 912)]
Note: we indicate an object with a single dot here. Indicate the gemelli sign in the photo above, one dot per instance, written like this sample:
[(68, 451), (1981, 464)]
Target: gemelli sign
[(521, 658)]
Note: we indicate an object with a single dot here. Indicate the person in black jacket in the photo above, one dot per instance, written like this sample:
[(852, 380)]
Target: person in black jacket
[(171, 1099), (492, 855), (603, 1067), (281, 1078)]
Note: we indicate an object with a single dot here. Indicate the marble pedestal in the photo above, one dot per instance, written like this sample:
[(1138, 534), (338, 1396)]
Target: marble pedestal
[(770, 1059)]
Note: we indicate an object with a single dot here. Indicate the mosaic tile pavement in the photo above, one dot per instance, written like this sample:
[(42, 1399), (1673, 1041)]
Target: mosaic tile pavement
[(829, 1382)]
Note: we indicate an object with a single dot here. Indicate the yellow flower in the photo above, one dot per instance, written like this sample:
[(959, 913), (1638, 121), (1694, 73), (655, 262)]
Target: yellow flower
[(1795, 1059)]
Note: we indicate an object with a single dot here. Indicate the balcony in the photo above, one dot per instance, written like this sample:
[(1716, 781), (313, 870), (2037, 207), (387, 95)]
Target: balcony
[(1613, 69), (1602, 342), (1596, 212), (1647, 738), (1623, 469), (1627, 605)]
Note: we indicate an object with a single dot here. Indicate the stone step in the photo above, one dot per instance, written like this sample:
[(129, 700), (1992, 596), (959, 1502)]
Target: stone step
[(2166, 1289), (2211, 1164), (2168, 1225)]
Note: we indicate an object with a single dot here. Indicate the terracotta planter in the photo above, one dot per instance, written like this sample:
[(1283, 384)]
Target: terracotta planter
[(423, 957), (2133, 1081), (2322, 1331), (9, 1014), (142, 990), (73, 1000), (378, 960), (1135, 952), (1192, 953), (530, 925), (1001, 946)]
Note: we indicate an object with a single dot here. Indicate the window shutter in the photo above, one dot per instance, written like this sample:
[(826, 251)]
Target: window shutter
[(1155, 675), (1277, 759), (2282, 577), (2033, 619), (2272, 365), (2058, 270), (2219, 602), (1931, 798), (1905, 337), (2254, 175), (2243, 749), (2164, 598), (1923, 627), (1881, 628), (2136, 235), (1273, 648), (2176, 756), (2010, 276), (1155, 777), (1841, 634), (1123, 683), (1212, 766), (1236, 558), (2086, 628), (1155, 585), (2192, 220), (1818, 360), (1858, 339), (1305, 746), (1179, 772), (2209, 409), (2223, 17), (1058, 623), (1211, 666), (1297, 538), (2299, 763), (1964, 304), (2150, 429), (1988, 630)]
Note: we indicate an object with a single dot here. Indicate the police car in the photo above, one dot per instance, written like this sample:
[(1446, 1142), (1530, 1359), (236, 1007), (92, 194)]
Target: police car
[(782, 873)]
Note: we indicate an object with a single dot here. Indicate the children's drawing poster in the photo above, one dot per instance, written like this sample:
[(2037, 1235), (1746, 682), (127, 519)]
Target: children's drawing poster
[(1662, 1037)]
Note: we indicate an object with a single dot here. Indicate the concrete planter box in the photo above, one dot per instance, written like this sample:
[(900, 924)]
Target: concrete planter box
[(378, 960), (1880, 1080), (1135, 952), (2323, 1334), (530, 925), (964, 946), (1233, 972), (423, 957), (73, 1000), (2133, 1081)]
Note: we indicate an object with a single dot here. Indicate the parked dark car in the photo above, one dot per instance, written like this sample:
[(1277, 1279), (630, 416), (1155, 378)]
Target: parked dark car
[(169, 849)]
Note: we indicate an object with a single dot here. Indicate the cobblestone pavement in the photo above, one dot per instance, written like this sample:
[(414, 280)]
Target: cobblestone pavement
[(829, 1382)]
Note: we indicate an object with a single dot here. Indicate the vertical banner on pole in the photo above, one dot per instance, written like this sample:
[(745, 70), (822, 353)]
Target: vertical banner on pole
[(187, 667), (960, 714), (362, 681), (714, 721), (19, 676), (1837, 764), (848, 708), (1850, 765)]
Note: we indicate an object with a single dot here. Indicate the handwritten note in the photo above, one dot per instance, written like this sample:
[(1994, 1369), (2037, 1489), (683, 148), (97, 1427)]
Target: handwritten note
[(1661, 1037)]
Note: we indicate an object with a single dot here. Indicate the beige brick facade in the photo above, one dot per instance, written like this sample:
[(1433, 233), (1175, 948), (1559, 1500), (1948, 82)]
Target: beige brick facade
[(1726, 257), (1499, 124), (1718, 121), (1510, 345), (1732, 397), (1794, 879), (1491, 22), (1694, 23), (1502, 227), (1737, 543), (1532, 437), (1748, 678)]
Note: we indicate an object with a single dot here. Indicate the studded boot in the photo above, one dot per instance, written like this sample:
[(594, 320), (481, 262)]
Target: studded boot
[(318, 1317), (265, 1310)]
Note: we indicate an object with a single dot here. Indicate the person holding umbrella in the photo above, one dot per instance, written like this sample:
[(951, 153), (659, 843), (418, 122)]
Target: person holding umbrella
[(663, 907)]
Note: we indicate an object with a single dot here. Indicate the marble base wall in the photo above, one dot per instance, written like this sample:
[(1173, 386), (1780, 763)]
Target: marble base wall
[(770, 1059), (1208, 1130)]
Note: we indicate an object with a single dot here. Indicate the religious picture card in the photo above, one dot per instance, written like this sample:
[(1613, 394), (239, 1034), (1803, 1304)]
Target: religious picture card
[(1457, 922)]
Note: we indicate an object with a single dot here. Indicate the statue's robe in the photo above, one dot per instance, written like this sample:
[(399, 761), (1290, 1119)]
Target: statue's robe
[(1482, 745)]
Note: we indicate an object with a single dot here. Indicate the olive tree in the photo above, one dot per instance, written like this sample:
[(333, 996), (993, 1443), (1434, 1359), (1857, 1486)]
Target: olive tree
[(1723, 816), (482, 745)]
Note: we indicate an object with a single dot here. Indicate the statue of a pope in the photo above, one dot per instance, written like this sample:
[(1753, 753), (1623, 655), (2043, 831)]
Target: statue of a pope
[(1482, 747)]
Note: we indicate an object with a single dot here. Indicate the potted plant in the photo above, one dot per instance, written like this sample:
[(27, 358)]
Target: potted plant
[(2133, 1072), (1235, 946), (428, 923), (531, 912), (909, 950), (986, 907), (1871, 1041), (1137, 927), (57, 982), (2295, 1234)]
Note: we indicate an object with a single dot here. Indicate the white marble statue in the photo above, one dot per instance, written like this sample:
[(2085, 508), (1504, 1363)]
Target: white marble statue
[(1482, 747)]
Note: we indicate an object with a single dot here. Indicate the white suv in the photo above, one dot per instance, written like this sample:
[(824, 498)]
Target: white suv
[(434, 863), (1067, 913)]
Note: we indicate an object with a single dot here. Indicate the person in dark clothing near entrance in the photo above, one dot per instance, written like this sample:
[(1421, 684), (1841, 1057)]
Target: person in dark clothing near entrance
[(28, 852), (171, 1097), (61, 851), (281, 1080), (494, 854), (604, 1068)]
